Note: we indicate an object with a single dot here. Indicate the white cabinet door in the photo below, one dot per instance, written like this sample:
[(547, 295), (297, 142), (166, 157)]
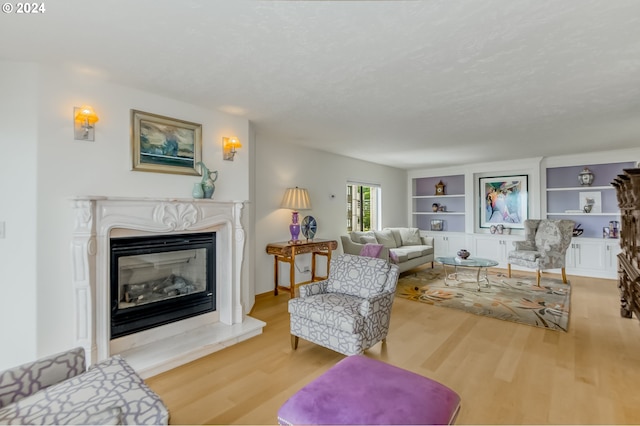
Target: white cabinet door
[(611, 251), (583, 254), (493, 247), (447, 244)]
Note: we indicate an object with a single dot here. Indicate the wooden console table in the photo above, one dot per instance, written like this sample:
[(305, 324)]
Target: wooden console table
[(286, 252)]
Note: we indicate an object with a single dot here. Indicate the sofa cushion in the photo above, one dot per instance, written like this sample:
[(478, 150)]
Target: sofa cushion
[(357, 275), (399, 255), (108, 384), (410, 236), (386, 238)]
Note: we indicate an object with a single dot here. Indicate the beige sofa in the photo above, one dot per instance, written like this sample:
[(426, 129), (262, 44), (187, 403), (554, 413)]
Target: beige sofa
[(402, 246)]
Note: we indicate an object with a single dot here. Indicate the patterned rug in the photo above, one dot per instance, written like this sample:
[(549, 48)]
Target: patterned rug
[(516, 299)]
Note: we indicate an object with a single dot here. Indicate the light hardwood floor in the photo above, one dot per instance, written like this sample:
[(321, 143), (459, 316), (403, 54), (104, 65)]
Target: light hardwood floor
[(505, 373)]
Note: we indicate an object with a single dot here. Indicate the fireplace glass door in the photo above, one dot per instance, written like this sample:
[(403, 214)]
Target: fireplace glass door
[(157, 280)]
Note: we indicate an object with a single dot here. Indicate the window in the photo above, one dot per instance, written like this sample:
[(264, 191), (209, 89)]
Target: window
[(363, 207)]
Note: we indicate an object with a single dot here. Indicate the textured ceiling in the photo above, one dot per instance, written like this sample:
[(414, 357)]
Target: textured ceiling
[(409, 84)]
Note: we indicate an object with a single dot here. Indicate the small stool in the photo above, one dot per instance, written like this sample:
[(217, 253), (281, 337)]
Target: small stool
[(361, 390)]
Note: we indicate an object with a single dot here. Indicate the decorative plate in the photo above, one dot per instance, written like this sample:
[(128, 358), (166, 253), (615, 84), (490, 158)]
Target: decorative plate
[(309, 227)]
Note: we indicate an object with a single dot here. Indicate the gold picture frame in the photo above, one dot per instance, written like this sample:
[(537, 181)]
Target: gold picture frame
[(162, 144)]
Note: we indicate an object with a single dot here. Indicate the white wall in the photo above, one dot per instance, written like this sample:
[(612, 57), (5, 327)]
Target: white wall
[(280, 165), (18, 144), (66, 168)]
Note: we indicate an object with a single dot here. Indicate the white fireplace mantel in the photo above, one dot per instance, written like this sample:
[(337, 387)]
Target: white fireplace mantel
[(97, 219)]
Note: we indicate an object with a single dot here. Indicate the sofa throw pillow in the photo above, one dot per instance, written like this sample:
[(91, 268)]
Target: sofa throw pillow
[(371, 250), (368, 239), (410, 236), (385, 238), (356, 236)]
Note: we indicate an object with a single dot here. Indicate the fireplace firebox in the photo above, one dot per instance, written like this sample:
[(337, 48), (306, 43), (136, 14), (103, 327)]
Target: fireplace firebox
[(157, 280)]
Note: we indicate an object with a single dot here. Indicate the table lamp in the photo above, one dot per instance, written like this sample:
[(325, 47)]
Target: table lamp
[(295, 199)]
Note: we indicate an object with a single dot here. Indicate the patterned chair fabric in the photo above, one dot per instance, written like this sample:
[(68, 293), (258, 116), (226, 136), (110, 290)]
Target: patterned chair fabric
[(545, 246), (350, 311), (57, 390)]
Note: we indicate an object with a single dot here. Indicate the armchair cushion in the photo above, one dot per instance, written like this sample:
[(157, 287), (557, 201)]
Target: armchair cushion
[(333, 310), (357, 275)]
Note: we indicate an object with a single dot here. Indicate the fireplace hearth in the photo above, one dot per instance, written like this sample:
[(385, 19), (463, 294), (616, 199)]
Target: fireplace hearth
[(160, 279)]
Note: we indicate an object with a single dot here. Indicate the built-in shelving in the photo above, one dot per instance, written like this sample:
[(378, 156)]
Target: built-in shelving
[(424, 196), (565, 199)]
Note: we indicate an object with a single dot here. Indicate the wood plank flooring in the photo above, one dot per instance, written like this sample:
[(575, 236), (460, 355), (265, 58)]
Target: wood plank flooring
[(505, 373)]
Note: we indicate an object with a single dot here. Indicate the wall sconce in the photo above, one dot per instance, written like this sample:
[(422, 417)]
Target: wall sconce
[(229, 148), (295, 199), (83, 120)]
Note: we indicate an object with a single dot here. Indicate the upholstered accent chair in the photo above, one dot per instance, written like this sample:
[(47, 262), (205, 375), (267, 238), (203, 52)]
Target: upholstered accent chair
[(545, 246), (349, 311)]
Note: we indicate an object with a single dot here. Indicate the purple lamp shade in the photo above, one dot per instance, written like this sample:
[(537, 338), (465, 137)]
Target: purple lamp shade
[(295, 199)]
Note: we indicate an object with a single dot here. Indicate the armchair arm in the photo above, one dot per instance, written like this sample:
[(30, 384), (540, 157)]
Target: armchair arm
[(375, 303), (314, 288), (19, 382)]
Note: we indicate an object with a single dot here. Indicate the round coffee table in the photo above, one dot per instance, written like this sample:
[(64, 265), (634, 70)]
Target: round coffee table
[(478, 263)]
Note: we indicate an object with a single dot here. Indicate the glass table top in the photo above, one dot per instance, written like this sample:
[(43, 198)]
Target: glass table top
[(477, 262)]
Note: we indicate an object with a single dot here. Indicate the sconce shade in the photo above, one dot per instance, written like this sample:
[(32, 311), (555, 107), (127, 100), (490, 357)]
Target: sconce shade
[(83, 120), (296, 199), (87, 115), (230, 147)]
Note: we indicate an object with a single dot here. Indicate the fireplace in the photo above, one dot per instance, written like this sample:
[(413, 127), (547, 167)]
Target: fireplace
[(104, 226), (160, 279)]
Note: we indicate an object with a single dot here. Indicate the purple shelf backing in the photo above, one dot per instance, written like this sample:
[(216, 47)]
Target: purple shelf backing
[(451, 223), (563, 177), (451, 204), (454, 185)]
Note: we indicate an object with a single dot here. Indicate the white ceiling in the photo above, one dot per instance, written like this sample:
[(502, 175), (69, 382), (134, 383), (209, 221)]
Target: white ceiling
[(409, 84)]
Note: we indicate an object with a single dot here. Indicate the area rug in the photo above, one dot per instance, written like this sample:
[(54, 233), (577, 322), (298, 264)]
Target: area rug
[(516, 299)]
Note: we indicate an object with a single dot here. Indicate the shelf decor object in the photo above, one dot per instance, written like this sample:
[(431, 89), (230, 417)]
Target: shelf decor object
[(440, 188), (591, 202), (437, 225), (585, 177)]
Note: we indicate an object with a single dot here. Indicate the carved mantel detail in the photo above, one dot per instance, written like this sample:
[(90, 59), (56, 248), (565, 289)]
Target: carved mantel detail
[(177, 216)]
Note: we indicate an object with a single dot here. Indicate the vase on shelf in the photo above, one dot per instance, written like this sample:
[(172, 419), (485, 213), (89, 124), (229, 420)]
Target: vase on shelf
[(585, 177)]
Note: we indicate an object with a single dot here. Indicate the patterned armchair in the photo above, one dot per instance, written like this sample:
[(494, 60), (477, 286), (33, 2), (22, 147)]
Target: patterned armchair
[(57, 390), (545, 246), (350, 311)]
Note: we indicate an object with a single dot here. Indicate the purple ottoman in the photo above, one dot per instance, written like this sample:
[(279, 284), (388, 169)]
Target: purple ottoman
[(361, 390)]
